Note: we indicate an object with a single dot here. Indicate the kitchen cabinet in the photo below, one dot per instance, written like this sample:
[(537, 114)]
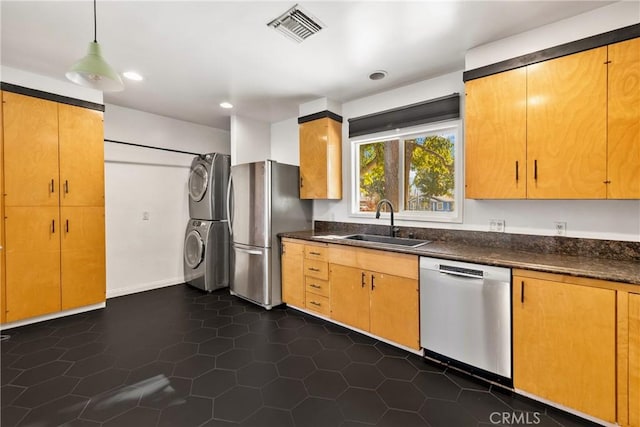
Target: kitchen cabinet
[(634, 360), (305, 274), (580, 117), (53, 164), (566, 127), (320, 159), (376, 292), (496, 136), (292, 273), (3, 292), (564, 343), (623, 128)]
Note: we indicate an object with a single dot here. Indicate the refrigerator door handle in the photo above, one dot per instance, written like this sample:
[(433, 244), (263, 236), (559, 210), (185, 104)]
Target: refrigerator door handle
[(248, 251), (229, 211)]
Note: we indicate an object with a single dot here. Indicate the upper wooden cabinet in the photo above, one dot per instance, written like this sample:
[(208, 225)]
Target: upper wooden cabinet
[(566, 127), (580, 117), (623, 148), (30, 151), (81, 141), (496, 137), (320, 158)]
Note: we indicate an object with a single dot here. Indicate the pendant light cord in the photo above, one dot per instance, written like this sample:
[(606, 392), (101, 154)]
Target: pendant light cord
[(95, 23)]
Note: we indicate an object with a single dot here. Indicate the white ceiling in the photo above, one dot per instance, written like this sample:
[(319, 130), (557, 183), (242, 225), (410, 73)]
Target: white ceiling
[(195, 55)]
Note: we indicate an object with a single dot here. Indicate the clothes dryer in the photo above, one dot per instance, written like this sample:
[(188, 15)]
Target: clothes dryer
[(208, 181), (206, 254)]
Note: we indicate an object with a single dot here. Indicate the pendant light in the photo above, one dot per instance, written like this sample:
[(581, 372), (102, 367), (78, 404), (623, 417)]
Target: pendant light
[(92, 70)]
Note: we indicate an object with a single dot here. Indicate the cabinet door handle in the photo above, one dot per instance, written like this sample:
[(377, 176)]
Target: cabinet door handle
[(53, 226), (52, 186), (373, 286), (66, 226), (313, 269), (315, 286), (301, 181), (535, 170), (363, 276), (517, 176), (66, 186), (522, 292), (314, 253), (315, 303)]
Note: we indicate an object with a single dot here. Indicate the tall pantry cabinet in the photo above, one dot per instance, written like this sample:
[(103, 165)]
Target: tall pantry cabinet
[(53, 200)]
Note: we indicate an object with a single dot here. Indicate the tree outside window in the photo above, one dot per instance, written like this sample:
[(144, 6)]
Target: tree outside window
[(417, 172)]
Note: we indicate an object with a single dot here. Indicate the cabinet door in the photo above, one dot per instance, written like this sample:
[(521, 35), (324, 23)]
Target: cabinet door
[(566, 127), (81, 156), (634, 360), (83, 277), (349, 296), (624, 120), (495, 136), (30, 151), (564, 344), (320, 159), (3, 294), (292, 274), (394, 309), (32, 261)]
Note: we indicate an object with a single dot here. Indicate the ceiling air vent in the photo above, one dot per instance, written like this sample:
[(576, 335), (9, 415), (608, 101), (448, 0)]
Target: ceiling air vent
[(296, 24)]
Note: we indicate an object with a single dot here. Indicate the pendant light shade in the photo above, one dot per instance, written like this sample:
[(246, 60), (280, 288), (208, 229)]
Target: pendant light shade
[(92, 70)]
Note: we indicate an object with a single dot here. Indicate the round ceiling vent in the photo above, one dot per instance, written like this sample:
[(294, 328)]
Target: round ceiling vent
[(378, 75)]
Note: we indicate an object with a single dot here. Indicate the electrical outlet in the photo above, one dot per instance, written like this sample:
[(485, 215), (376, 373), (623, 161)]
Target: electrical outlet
[(561, 228), (496, 225), (145, 216)]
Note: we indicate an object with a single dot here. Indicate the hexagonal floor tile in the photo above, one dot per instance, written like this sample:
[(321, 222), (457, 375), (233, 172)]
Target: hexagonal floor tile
[(215, 346), (399, 369), (194, 366), (284, 393), (361, 405), (315, 412), (269, 417), (401, 395), (257, 374), (363, 375), (331, 359), (234, 359), (190, 412), (295, 367), (238, 403), (213, 383), (327, 384), (363, 353), (442, 413), (304, 347), (437, 386)]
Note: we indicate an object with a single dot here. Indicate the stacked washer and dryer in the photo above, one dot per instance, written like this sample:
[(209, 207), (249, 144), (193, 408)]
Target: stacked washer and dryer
[(207, 243)]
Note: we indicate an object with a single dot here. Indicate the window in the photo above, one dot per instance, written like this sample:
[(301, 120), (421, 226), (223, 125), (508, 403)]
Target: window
[(418, 170)]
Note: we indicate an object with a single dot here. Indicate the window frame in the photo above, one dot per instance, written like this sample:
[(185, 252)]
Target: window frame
[(453, 126)]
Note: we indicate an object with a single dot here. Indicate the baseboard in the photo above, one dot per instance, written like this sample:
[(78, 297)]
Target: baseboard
[(50, 316), (144, 287)]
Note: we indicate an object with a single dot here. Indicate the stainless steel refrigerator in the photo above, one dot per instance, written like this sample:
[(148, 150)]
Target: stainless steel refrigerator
[(263, 200)]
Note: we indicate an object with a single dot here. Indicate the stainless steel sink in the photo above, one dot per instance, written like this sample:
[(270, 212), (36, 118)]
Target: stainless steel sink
[(388, 240)]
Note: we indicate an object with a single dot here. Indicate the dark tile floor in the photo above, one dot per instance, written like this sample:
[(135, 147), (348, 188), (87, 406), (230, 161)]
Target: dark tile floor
[(178, 357)]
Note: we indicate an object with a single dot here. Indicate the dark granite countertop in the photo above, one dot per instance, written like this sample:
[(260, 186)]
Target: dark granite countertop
[(579, 266)]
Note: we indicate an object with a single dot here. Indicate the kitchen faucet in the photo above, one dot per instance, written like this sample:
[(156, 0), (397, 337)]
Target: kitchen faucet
[(392, 230)]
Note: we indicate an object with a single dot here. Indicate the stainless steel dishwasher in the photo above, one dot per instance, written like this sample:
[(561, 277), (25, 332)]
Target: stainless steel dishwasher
[(465, 315)]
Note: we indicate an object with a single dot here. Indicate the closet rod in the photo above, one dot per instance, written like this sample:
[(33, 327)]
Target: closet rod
[(151, 147)]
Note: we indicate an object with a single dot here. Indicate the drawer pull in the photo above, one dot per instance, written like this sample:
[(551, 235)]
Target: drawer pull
[(362, 281), (314, 269), (315, 286), (315, 303), (52, 187), (314, 253), (517, 175)]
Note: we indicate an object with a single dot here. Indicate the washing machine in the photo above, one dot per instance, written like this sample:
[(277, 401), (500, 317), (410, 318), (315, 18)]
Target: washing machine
[(208, 180), (206, 254)]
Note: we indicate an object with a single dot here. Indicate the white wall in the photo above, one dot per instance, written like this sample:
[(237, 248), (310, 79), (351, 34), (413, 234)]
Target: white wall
[(250, 140), (284, 142), (600, 219), (147, 254)]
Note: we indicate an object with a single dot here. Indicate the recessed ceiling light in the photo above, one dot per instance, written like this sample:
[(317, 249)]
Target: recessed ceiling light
[(226, 105), (132, 75), (378, 75)]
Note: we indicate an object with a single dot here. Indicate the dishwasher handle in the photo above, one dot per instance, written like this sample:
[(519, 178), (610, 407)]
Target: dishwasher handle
[(461, 272)]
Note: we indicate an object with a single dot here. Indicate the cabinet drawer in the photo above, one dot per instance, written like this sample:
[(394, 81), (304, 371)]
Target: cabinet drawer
[(317, 269), (319, 253), (317, 286), (318, 303)]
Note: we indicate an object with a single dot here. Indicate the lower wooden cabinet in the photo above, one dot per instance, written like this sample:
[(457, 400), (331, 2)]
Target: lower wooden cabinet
[(55, 259), (305, 274), (292, 272), (564, 344), (634, 360)]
